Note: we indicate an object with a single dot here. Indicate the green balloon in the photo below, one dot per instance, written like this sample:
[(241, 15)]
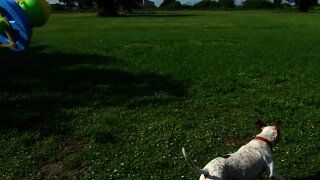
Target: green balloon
[(38, 11)]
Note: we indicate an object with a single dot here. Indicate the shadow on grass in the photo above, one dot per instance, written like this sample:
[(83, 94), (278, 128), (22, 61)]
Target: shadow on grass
[(314, 177), (35, 87)]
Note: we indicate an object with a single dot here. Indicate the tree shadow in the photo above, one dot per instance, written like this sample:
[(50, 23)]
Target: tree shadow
[(35, 86), (313, 177)]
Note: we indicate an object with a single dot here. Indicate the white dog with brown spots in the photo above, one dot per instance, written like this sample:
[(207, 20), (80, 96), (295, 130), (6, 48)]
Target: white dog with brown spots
[(249, 162)]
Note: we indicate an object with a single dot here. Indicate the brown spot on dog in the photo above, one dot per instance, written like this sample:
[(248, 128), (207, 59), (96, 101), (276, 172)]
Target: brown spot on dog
[(226, 156)]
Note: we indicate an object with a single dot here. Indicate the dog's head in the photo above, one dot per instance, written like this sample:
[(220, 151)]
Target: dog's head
[(272, 132)]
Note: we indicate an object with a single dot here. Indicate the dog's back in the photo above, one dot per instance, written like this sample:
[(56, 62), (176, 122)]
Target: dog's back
[(246, 163), (249, 162)]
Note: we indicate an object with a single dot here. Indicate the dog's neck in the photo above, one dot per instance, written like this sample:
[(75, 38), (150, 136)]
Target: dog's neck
[(264, 140), (268, 135)]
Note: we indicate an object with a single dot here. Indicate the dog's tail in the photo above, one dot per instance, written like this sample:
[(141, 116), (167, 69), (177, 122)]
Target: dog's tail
[(194, 167)]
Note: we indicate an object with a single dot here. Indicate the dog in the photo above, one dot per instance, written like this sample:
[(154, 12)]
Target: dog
[(249, 162)]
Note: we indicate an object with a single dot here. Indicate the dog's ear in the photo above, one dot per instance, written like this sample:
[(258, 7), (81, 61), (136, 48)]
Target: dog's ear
[(278, 129), (260, 125), (278, 124)]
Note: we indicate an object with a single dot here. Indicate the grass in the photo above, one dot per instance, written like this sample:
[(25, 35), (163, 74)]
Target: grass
[(117, 98)]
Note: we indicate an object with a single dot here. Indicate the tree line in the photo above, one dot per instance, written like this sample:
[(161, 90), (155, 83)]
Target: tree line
[(112, 7)]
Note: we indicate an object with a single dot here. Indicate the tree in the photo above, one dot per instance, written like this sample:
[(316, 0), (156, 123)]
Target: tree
[(148, 4), (305, 5), (82, 4), (107, 7), (86, 4), (258, 4), (170, 4), (206, 4), (226, 3), (69, 3), (128, 5), (277, 3), (111, 7)]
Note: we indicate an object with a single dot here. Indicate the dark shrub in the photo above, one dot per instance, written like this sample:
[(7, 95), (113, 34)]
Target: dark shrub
[(226, 3), (206, 4), (258, 4), (171, 4), (305, 5), (58, 7)]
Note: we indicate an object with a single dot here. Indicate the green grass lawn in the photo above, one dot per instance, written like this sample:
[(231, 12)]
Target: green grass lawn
[(117, 98)]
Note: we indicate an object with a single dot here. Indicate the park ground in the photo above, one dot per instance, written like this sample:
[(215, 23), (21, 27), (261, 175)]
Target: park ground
[(117, 98)]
